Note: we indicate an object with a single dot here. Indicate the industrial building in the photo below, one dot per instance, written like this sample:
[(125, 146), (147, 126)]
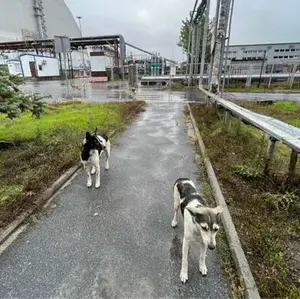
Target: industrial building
[(266, 58), (273, 53), (34, 20)]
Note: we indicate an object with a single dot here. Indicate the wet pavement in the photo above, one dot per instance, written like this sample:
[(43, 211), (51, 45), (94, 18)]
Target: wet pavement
[(119, 91), (108, 92), (117, 241)]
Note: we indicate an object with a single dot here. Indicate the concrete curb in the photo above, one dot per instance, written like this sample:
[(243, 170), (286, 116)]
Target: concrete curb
[(240, 260), (12, 227)]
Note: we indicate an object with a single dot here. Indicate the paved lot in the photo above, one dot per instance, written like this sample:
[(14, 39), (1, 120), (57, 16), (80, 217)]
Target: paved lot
[(116, 241)]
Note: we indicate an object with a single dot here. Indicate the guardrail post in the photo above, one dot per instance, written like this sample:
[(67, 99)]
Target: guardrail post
[(226, 123), (238, 126), (270, 153), (293, 164)]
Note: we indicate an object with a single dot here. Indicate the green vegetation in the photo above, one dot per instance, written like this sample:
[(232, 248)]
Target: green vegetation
[(286, 111), (49, 146), (265, 210), (279, 86), (184, 38), (178, 86), (13, 102)]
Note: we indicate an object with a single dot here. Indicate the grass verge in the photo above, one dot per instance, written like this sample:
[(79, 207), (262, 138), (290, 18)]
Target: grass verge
[(178, 86), (49, 146), (265, 211), (276, 87)]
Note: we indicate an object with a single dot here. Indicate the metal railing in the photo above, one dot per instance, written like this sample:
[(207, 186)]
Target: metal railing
[(276, 129)]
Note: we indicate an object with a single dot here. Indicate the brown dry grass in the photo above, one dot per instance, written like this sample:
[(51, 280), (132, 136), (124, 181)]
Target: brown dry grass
[(266, 212)]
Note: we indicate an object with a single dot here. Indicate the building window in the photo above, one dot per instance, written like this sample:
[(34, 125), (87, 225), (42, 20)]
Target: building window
[(245, 52), (276, 50), (280, 57), (293, 50), (275, 57), (286, 57), (287, 50), (281, 50), (291, 57)]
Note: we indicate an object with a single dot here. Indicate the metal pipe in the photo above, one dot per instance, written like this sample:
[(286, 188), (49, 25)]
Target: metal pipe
[(204, 42), (227, 49), (226, 21), (214, 38)]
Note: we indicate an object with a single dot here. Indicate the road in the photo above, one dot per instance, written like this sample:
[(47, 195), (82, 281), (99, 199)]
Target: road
[(116, 241), (107, 92)]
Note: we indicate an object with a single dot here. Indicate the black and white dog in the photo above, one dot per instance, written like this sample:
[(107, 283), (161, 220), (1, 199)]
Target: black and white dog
[(201, 223), (93, 147)]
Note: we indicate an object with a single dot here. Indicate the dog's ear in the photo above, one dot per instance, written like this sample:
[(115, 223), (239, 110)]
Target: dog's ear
[(96, 131), (218, 210), (87, 135), (194, 211)]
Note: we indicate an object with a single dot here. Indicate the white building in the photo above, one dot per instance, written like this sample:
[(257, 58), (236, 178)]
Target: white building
[(286, 53)]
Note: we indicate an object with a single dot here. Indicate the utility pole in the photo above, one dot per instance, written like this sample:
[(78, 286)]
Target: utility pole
[(80, 28), (204, 42), (222, 7), (227, 47)]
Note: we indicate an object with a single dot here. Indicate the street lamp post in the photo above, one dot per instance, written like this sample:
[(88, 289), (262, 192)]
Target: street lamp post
[(80, 28)]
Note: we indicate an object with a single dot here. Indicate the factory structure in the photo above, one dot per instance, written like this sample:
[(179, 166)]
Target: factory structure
[(27, 25)]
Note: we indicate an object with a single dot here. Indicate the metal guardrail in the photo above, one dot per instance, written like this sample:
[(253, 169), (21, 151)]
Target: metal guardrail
[(279, 130), (183, 77)]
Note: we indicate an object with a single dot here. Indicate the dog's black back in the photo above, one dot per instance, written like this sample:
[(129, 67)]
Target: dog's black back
[(91, 143), (188, 192)]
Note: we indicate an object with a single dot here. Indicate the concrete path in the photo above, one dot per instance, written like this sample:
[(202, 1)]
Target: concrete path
[(117, 241)]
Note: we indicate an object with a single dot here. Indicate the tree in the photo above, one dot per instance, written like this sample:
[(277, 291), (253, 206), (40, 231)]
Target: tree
[(184, 38), (13, 102)]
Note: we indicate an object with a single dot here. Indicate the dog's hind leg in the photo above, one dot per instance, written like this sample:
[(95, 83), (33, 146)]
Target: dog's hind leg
[(184, 262), (202, 264), (176, 205), (107, 151)]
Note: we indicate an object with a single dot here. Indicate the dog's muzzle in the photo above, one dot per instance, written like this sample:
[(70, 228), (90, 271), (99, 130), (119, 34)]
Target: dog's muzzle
[(211, 246)]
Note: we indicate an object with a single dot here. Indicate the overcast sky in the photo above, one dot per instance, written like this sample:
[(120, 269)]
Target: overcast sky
[(155, 25)]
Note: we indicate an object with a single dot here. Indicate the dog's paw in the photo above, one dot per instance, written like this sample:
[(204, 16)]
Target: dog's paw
[(106, 168), (203, 270), (97, 185), (174, 223), (183, 277)]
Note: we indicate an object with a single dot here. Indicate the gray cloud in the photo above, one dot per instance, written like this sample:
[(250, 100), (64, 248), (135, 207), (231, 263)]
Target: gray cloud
[(155, 25)]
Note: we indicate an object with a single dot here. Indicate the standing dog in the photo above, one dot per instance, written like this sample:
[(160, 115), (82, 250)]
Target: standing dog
[(201, 223), (93, 147)]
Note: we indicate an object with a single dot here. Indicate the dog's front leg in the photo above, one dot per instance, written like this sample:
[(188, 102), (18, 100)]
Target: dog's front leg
[(202, 264), (97, 185), (88, 173), (184, 263), (93, 170)]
